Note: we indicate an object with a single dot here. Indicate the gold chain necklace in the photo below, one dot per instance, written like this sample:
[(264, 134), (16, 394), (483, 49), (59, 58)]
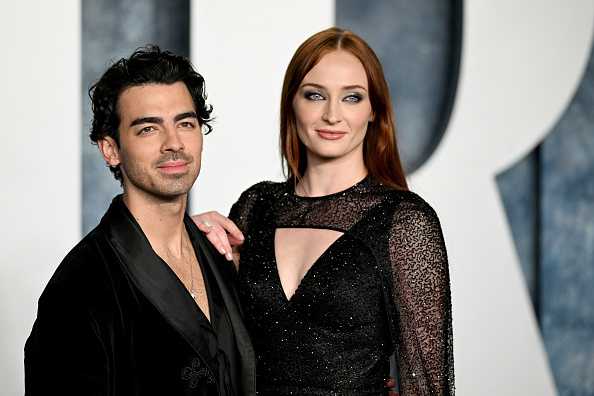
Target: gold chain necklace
[(192, 292), (191, 262)]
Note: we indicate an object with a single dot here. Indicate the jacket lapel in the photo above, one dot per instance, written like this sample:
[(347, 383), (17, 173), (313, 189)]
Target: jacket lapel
[(223, 273), (153, 277)]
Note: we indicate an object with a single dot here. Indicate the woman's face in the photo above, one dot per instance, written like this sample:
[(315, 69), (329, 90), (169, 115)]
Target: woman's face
[(332, 108)]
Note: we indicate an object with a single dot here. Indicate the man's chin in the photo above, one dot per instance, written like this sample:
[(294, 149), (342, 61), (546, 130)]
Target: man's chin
[(172, 193), (174, 186), (166, 193), (166, 189)]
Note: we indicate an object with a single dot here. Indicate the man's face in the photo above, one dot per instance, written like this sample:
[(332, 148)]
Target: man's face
[(160, 141)]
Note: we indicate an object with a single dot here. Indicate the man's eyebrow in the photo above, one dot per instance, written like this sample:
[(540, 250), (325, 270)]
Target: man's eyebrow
[(159, 120), (147, 120), (188, 114)]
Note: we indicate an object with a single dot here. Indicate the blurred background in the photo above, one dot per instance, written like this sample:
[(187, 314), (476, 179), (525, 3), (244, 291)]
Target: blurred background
[(495, 115)]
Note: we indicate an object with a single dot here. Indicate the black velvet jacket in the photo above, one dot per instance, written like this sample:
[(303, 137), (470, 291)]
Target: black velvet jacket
[(115, 320)]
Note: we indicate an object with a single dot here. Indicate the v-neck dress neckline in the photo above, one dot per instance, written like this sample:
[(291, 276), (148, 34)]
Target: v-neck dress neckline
[(319, 262)]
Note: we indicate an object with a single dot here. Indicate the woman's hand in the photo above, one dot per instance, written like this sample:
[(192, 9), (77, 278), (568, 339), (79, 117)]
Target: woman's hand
[(220, 231)]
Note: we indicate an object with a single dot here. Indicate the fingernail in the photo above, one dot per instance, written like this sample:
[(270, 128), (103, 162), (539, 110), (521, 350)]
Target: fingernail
[(223, 251), (229, 256)]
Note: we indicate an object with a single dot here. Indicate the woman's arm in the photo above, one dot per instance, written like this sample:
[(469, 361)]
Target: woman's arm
[(422, 298)]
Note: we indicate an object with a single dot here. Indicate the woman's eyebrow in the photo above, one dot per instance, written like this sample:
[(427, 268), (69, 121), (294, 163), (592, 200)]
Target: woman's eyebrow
[(345, 88), (356, 86), (314, 85)]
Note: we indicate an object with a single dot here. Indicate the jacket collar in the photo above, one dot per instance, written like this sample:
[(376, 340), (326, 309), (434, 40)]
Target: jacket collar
[(164, 290), (224, 273), (151, 275)]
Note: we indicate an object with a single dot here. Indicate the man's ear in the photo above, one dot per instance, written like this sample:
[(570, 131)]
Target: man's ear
[(110, 151)]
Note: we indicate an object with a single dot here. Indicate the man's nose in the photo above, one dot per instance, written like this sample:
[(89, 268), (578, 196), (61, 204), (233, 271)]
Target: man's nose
[(172, 141)]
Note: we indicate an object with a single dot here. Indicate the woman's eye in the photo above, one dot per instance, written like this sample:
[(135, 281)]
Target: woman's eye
[(313, 96), (354, 98)]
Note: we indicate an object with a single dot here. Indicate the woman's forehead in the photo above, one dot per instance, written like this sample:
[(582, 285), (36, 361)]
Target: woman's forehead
[(337, 69)]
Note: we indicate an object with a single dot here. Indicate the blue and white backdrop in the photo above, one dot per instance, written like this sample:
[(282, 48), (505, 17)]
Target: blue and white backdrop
[(495, 108)]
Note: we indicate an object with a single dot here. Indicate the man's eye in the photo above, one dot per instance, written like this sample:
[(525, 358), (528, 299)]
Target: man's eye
[(313, 96), (353, 98), (146, 129), (187, 124)]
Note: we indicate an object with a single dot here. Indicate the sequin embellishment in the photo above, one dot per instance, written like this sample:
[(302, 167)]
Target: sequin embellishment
[(383, 286)]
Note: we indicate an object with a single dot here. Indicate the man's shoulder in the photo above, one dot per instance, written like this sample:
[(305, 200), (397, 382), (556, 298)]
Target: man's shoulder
[(81, 267)]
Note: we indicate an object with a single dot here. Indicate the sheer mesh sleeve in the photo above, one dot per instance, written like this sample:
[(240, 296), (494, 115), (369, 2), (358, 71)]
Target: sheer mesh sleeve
[(422, 297)]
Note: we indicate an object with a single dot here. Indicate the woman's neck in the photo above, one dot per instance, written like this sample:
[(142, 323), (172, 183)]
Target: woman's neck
[(329, 177)]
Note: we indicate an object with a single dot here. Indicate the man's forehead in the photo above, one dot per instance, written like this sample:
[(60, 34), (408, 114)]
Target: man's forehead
[(175, 90), (165, 100)]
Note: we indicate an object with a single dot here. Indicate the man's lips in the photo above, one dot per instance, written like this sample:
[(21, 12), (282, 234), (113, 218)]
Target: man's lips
[(329, 134), (173, 166)]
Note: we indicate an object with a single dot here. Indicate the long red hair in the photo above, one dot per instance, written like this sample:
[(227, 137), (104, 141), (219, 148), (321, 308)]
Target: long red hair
[(380, 151)]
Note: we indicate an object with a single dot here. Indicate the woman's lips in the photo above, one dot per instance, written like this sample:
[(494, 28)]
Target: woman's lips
[(329, 134)]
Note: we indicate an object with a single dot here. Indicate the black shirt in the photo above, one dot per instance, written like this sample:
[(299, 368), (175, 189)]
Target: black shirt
[(218, 334)]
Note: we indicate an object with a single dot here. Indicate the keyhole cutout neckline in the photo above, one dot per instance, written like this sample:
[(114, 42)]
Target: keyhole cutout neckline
[(311, 263)]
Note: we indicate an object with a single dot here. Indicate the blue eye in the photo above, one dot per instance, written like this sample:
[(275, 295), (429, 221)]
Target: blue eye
[(311, 95), (353, 98)]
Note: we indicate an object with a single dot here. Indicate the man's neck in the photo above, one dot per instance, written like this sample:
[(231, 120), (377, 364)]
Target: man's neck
[(162, 221)]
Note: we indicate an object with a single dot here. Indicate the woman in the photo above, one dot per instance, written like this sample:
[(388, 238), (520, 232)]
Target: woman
[(341, 265)]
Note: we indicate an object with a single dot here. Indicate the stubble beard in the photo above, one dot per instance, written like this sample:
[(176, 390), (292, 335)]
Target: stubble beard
[(149, 181)]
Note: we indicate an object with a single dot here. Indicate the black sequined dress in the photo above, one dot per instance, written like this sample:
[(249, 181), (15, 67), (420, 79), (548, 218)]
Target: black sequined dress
[(383, 286)]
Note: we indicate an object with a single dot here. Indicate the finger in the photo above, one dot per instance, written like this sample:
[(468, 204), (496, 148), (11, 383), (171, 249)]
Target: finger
[(218, 237), (224, 241), (230, 227), (201, 222), (204, 227), (234, 241), (236, 259), (215, 240), (216, 226)]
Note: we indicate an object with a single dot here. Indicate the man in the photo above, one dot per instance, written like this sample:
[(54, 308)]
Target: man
[(143, 305)]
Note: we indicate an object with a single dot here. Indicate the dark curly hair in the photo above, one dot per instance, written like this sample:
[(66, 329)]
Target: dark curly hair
[(147, 65)]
